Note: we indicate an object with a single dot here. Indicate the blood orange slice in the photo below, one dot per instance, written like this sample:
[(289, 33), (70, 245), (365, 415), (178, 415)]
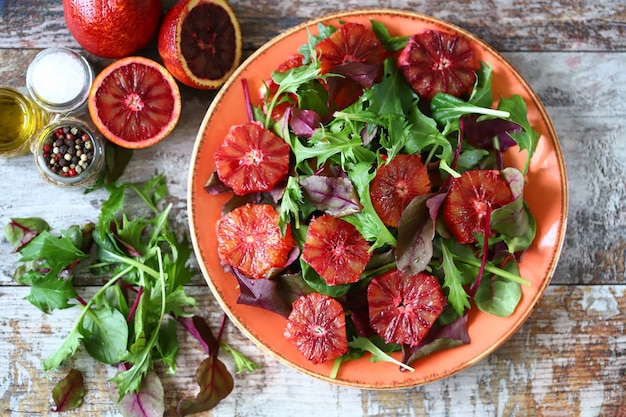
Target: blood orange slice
[(134, 102), (402, 308), (317, 326), (200, 42), (249, 239), (335, 250), (252, 159), (396, 184), (351, 43), (434, 61), (469, 198)]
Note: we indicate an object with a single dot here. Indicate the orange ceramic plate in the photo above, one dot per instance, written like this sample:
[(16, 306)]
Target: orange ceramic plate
[(546, 193)]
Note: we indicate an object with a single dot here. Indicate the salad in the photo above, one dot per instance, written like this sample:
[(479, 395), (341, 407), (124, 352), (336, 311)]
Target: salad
[(370, 201)]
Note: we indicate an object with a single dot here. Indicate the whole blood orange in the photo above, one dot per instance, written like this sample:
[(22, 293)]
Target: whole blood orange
[(112, 28), (134, 102), (200, 42)]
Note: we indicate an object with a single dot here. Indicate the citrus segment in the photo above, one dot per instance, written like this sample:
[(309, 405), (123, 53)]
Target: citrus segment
[(434, 61), (134, 102), (317, 326), (402, 308), (249, 239), (252, 159), (200, 42), (335, 250), (468, 200), (396, 184)]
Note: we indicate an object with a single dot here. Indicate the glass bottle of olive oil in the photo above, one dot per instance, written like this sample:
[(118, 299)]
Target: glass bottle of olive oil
[(20, 122)]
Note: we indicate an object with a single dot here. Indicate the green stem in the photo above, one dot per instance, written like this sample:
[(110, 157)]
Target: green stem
[(495, 270), (133, 263)]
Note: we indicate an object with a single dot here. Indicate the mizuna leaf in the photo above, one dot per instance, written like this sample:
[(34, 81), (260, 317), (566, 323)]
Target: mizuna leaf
[(215, 384), (68, 393)]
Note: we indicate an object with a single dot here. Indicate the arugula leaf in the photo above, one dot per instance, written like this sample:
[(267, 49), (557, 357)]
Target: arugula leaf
[(242, 363), (527, 138), (365, 344), (447, 108), (391, 43), (453, 281), (67, 349)]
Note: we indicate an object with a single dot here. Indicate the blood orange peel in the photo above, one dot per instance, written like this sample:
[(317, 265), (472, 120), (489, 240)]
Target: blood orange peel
[(200, 42), (317, 326), (249, 239), (134, 102), (403, 308), (252, 159)]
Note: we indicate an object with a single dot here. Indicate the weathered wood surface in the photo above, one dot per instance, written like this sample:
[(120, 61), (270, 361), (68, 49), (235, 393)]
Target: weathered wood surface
[(570, 356)]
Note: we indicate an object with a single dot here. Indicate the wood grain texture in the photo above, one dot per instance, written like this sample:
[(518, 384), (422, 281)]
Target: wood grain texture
[(531, 25), (568, 359)]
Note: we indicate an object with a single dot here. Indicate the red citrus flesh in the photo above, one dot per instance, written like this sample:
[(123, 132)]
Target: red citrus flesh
[(252, 159), (134, 102), (317, 326), (435, 61), (352, 42), (402, 308), (469, 198), (335, 250), (396, 184), (113, 29), (200, 42), (249, 239)]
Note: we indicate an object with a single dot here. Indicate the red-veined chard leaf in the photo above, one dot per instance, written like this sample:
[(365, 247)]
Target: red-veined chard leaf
[(68, 393), (149, 401), (416, 231), (333, 195), (215, 384), (261, 293), (20, 231), (490, 134), (304, 122), (199, 329), (445, 337)]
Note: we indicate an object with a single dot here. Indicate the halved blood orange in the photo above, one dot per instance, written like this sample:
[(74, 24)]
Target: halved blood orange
[(403, 308), (435, 61), (469, 198), (249, 239), (200, 42), (396, 184), (134, 102), (317, 326), (252, 159), (335, 250)]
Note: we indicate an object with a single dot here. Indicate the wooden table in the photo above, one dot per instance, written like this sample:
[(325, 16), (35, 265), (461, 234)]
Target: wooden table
[(568, 359)]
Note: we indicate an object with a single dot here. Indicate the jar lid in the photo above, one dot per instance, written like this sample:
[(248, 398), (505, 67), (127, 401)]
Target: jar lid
[(59, 79)]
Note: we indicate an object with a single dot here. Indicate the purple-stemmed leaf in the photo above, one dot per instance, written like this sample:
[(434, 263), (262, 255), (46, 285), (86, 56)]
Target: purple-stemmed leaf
[(147, 402), (445, 337), (199, 329), (333, 195), (215, 186), (21, 231), (304, 122), (364, 74), (261, 293), (68, 393), (215, 384), (416, 231), (483, 134)]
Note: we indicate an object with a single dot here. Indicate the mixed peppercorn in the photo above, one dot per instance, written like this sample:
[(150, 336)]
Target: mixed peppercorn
[(68, 151)]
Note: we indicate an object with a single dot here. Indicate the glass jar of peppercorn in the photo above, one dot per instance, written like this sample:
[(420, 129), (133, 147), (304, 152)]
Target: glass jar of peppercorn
[(69, 153)]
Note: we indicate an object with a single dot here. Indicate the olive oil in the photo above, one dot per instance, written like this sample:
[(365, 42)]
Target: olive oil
[(20, 121)]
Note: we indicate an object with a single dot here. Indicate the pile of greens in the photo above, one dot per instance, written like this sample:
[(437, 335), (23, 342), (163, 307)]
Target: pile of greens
[(131, 320)]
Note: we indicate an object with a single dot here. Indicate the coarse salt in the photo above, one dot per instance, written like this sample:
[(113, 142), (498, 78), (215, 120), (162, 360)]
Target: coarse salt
[(58, 77)]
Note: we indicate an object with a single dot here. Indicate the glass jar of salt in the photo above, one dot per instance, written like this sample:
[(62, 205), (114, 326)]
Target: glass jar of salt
[(69, 151), (59, 79)]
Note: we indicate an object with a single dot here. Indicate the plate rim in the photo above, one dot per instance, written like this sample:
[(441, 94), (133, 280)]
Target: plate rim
[(509, 67)]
